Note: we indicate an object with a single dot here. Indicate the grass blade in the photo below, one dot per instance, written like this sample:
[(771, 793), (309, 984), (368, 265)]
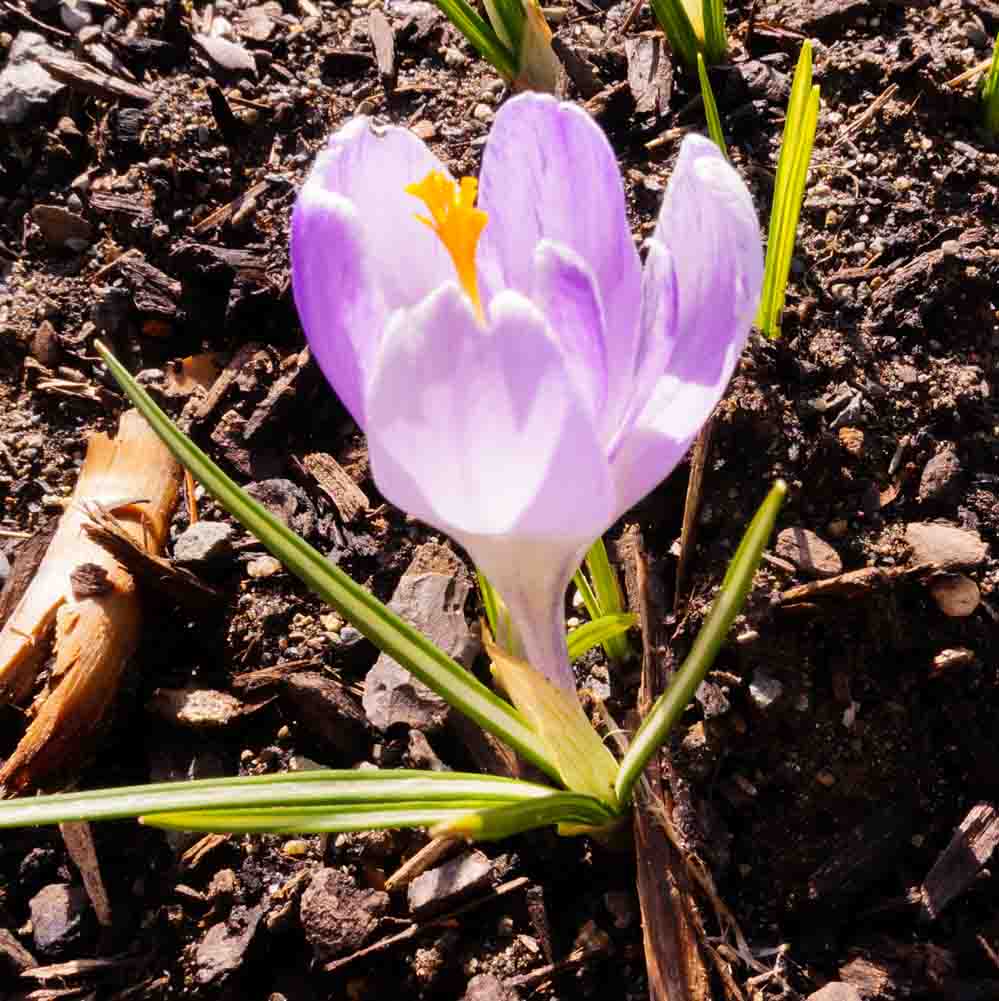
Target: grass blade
[(675, 23), (583, 638), (602, 596), (710, 107), (990, 95), (789, 189), (515, 818), (490, 602), (735, 587), (322, 788), (715, 40), (482, 37), (366, 613)]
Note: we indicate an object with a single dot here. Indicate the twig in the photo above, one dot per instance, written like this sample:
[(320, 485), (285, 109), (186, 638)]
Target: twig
[(977, 70), (427, 857), (632, 14), (855, 126), (33, 20), (692, 506), (671, 926), (418, 929)]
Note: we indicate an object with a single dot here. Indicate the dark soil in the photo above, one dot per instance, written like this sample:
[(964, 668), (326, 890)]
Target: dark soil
[(844, 736)]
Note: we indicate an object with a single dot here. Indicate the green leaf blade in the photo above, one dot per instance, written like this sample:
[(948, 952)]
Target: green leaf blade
[(711, 107), (324, 788), (715, 40), (789, 187), (481, 36), (583, 638), (675, 23), (602, 596), (990, 95)]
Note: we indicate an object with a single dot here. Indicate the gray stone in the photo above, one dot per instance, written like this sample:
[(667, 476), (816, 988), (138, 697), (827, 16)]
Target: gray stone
[(286, 501), (836, 991), (430, 596), (26, 88), (204, 542), (337, 916), (813, 556), (941, 478), (62, 229), (764, 690), (448, 885), (229, 55), (487, 987), (58, 918), (945, 545), (223, 949)]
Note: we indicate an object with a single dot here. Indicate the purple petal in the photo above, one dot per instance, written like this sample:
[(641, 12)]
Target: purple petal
[(566, 292), (481, 432), (371, 167), (548, 172), (336, 297), (709, 225)]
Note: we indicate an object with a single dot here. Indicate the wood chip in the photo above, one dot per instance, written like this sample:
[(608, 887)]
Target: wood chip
[(334, 481), (959, 863), (650, 73), (88, 80), (383, 39)]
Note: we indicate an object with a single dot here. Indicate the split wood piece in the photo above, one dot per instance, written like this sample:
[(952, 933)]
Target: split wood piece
[(154, 293), (298, 372), (265, 677), (383, 42), (134, 475), (692, 507), (969, 850), (853, 583), (134, 207), (671, 924), (334, 481), (432, 853), (89, 80), (535, 979), (225, 212), (153, 572), (244, 358), (891, 969), (79, 841), (445, 921)]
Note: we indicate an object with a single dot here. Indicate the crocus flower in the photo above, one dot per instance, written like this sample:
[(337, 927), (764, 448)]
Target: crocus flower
[(521, 378)]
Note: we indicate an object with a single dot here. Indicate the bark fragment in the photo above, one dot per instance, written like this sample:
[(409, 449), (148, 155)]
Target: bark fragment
[(93, 629)]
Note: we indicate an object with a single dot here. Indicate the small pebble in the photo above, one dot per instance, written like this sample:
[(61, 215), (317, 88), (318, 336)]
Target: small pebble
[(956, 596), (263, 566), (826, 778)]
